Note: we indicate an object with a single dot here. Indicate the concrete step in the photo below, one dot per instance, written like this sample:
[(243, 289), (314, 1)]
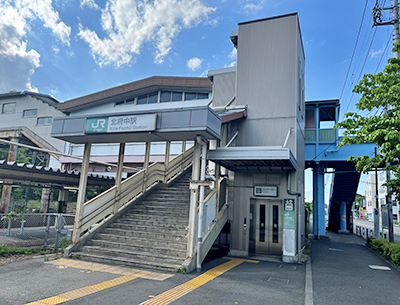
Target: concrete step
[(171, 199), (149, 228), (165, 194), (139, 256), (183, 207), (160, 212), (133, 216), (172, 202), (165, 224), (167, 251), (143, 234), (176, 245), (104, 259)]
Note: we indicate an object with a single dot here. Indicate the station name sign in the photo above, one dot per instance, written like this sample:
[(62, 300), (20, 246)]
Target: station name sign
[(125, 123), (266, 191)]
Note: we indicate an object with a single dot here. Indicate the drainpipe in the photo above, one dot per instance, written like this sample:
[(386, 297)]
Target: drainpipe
[(298, 216), (201, 199)]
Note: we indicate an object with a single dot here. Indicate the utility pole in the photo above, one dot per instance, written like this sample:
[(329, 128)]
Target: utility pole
[(377, 21), (376, 210)]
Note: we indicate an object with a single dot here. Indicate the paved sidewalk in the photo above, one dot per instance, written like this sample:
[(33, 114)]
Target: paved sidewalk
[(345, 271)]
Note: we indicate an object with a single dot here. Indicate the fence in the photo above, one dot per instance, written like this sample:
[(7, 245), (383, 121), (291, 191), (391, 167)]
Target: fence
[(366, 232), (36, 229)]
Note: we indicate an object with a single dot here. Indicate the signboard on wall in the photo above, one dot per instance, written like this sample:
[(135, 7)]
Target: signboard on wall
[(125, 123), (265, 191), (289, 215), (385, 216)]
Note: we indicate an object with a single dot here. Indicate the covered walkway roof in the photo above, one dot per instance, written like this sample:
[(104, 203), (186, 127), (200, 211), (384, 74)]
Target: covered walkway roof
[(39, 175), (253, 158)]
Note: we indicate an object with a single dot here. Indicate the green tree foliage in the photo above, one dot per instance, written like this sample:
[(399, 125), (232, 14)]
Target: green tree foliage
[(358, 202), (383, 129), (309, 206)]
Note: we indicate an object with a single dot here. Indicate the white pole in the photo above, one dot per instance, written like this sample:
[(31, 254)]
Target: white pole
[(201, 203), (118, 177), (81, 194), (193, 201)]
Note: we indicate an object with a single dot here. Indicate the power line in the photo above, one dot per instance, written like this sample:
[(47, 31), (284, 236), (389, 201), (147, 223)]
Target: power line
[(362, 69), (355, 47), (384, 52)]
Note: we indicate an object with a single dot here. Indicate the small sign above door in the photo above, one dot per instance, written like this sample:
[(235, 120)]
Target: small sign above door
[(266, 191)]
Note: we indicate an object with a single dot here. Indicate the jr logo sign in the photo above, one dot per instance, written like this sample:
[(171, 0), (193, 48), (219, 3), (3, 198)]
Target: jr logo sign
[(96, 125)]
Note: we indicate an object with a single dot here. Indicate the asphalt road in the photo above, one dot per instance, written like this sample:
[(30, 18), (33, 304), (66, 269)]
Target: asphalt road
[(248, 283), (345, 271)]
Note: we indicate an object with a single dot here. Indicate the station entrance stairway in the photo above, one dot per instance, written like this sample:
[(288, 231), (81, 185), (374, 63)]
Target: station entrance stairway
[(150, 234)]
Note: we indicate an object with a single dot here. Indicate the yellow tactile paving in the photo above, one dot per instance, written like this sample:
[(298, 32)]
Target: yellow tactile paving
[(179, 291), (78, 293), (110, 269)]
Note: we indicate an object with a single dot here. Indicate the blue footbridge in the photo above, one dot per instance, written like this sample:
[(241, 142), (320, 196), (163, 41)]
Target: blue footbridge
[(324, 157)]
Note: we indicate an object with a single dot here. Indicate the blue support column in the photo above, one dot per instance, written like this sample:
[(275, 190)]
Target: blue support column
[(343, 222), (318, 201)]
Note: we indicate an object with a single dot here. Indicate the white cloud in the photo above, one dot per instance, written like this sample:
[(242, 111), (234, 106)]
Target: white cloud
[(194, 63), (375, 54), (232, 64), (89, 3), (252, 8), (43, 10), (213, 22), (233, 54), (17, 62), (130, 24)]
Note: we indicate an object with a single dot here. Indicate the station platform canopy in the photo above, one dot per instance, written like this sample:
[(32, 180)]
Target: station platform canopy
[(152, 125), (46, 176), (253, 158)]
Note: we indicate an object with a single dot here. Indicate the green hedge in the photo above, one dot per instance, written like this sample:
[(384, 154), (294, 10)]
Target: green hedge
[(390, 251)]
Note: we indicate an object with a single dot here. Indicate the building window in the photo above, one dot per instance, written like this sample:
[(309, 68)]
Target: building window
[(142, 99), (153, 98), (29, 113), (44, 120), (168, 96), (189, 96), (8, 108)]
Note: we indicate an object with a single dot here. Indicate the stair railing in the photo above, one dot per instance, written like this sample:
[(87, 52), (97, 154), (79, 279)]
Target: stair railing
[(101, 208), (214, 217)]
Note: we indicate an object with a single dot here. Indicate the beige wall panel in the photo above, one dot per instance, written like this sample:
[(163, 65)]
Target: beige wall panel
[(266, 66), (223, 88)]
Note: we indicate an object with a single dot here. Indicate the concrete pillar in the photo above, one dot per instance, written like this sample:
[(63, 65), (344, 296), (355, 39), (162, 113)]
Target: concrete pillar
[(318, 201), (62, 201), (81, 194), (343, 222), (146, 165), (45, 200), (166, 160), (183, 154), (118, 177), (193, 201)]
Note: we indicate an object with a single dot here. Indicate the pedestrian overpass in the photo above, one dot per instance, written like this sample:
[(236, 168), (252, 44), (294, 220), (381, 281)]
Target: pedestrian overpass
[(323, 156)]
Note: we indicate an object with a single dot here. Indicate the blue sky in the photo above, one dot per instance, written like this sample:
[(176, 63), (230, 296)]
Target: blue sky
[(70, 48)]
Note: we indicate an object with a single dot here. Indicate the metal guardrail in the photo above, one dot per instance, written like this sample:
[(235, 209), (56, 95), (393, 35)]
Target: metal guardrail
[(362, 231), (36, 229)]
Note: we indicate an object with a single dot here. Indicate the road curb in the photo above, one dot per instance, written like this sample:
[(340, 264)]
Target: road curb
[(309, 294)]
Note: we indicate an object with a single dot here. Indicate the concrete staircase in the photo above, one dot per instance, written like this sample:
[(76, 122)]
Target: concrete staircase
[(152, 234)]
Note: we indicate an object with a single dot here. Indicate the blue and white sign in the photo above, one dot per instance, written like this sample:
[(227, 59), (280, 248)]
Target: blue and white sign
[(126, 123)]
